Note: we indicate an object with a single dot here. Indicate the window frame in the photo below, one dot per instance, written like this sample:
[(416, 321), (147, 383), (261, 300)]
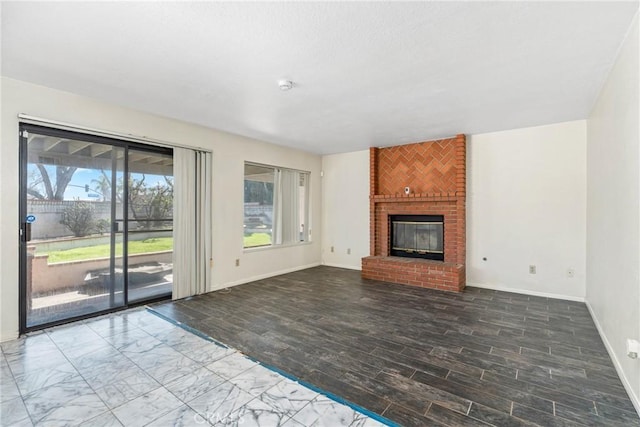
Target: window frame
[(304, 217)]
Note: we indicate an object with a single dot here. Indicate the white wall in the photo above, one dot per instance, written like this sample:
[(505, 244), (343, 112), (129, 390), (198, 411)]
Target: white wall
[(345, 209), (613, 214), (526, 205), (229, 153), (526, 201)]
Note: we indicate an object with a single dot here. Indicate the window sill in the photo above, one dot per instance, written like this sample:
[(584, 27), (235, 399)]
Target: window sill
[(271, 247)]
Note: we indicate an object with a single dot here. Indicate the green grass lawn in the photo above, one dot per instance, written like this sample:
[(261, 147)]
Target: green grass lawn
[(102, 251), (138, 247), (256, 239)]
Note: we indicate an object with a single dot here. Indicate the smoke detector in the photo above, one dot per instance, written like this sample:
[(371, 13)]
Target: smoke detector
[(285, 84)]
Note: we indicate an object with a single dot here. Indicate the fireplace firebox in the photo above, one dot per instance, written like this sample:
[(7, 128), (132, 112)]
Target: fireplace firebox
[(417, 236)]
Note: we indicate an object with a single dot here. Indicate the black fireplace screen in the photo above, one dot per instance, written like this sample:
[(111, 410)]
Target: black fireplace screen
[(417, 236)]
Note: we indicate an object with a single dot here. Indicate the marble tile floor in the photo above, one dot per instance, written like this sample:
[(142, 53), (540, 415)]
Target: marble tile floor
[(134, 368)]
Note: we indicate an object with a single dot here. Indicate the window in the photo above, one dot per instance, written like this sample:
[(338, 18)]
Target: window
[(258, 205), (276, 206)]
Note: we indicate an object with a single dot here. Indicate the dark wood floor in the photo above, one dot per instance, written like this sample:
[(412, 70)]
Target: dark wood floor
[(419, 356)]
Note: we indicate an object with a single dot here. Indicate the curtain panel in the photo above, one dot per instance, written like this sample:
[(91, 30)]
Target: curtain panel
[(192, 222)]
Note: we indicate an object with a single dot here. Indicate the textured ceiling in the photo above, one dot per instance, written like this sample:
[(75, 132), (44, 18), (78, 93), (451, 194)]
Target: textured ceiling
[(366, 74)]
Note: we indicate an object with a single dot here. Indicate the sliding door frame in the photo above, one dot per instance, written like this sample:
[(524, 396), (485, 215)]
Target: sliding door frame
[(79, 134)]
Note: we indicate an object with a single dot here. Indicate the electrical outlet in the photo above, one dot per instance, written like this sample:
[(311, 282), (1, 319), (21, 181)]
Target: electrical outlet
[(237, 262), (349, 251), (532, 269), (331, 248), (571, 273)]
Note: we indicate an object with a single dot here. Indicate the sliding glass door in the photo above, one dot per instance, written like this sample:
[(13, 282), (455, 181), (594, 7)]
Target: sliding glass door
[(96, 225), (150, 224)]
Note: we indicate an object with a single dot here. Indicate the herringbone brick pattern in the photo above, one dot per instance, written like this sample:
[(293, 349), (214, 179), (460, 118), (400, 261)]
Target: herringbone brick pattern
[(425, 167)]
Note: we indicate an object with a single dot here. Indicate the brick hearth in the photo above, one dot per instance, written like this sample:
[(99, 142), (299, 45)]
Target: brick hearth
[(435, 171)]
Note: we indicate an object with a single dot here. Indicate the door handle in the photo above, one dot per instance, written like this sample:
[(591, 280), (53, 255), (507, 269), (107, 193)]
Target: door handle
[(27, 231)]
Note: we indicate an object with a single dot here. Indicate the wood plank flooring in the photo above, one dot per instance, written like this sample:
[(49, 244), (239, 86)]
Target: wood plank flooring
[(419, 356)]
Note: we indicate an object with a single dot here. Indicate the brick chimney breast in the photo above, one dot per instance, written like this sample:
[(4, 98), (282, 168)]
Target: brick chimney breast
[(435, 172)]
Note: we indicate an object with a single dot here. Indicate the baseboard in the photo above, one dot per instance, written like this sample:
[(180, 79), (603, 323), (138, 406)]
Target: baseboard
[(348, 267), (264, 276), (526, 292), (616, 363), (8, 336)]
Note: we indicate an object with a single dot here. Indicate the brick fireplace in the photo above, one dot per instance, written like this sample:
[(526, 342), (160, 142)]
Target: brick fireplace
[(435, 174)]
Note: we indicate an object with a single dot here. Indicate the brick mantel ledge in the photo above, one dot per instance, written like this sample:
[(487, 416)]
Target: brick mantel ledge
[(418, 197)]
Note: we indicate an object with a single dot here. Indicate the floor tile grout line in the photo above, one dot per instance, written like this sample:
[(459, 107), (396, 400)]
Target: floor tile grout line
[(540, 394), (160, 385), (579, 396), (70, 361), (46, 331), (186, 327), (428, 408), (109, 409), (15, 384), (575, 395)]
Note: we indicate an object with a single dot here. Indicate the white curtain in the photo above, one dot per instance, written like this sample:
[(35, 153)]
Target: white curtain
[(303, 203), (191, 222), (289, 231), (277, 208)]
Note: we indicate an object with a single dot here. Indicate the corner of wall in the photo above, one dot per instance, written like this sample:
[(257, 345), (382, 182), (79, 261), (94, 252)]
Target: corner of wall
[(613, 213), (635, 399), (526, 205), (345, 208)]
